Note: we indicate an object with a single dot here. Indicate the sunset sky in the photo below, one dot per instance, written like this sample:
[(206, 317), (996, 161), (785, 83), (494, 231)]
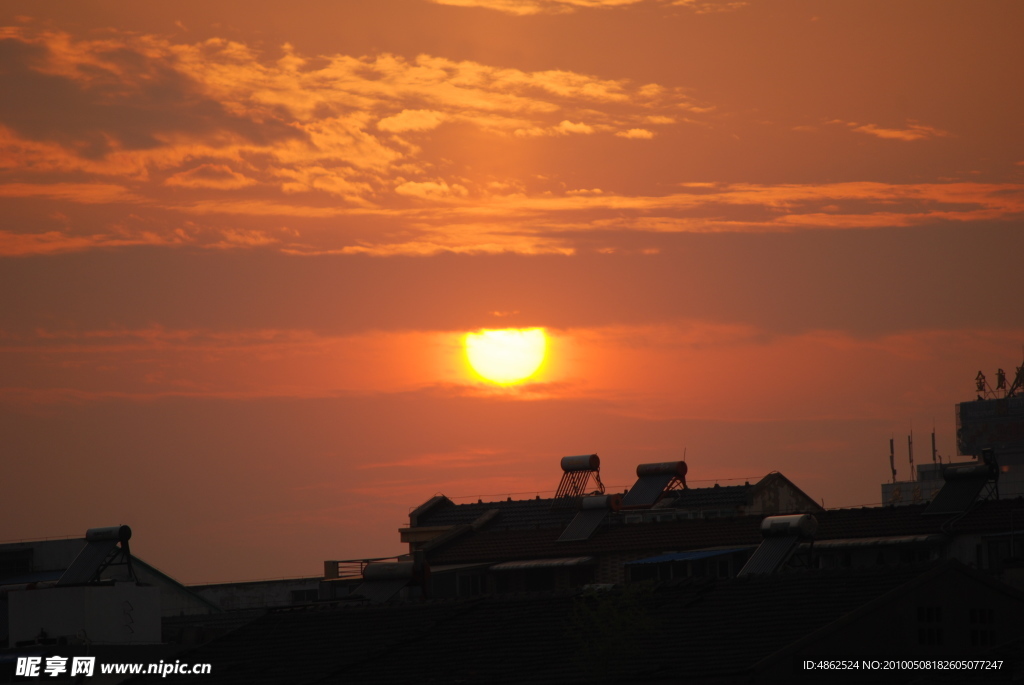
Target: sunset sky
[(241, 244)]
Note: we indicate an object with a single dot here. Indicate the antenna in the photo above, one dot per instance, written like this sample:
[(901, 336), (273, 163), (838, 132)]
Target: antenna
[(892, 458), (910, 451)]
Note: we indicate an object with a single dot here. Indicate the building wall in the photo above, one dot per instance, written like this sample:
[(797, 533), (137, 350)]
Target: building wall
[(776, 495), (122, 613)]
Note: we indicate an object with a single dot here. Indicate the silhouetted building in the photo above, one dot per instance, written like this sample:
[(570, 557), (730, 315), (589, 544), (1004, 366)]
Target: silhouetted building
[(758, 628), (76, 590)]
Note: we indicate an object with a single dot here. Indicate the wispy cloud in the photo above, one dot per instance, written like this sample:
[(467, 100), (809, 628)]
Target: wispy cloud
[(528, 7), (913, 131), (213, 119), (531, 7)]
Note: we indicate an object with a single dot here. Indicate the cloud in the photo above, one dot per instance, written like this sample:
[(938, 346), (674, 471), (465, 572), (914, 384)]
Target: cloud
[(565, 127), (216, 116), (431, 189), (54, 242), (111, 100), (216, 176), (711, 6), (912, 132), (636, 134), (571, 127), (353, 152), (528, 7), (87, 193), (411, 120)]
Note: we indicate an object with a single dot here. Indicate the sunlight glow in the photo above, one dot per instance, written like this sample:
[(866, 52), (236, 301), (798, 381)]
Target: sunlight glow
[(506, 356)]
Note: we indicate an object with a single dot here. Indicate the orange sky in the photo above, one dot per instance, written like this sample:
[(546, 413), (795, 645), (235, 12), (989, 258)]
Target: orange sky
[(242, 242)]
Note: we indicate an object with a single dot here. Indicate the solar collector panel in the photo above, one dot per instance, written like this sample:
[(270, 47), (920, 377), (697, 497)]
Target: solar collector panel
[(583, 525), (770, 555), (956, 495), (86, 565), (646, 490)]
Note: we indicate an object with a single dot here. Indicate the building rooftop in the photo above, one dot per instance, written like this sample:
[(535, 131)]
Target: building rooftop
[(502, 544), (542, 513)]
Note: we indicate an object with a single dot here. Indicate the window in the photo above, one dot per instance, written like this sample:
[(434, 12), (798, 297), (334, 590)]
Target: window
[(15, 563), (929, 625), (983, 633), (470, 584), (304, 596)]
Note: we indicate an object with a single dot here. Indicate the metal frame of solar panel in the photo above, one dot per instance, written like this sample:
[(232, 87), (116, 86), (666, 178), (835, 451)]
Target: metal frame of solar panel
[(576, 473), (99, 552)]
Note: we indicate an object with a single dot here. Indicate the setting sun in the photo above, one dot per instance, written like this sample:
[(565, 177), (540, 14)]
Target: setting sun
[(506, 356)]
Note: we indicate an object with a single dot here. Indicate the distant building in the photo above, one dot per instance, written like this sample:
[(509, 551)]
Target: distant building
[(989, 430), (676, 532), (75, 591), (921, 491)]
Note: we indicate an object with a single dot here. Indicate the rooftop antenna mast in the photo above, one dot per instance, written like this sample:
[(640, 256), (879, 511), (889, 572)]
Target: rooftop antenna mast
[(910, 451), (892, 458)]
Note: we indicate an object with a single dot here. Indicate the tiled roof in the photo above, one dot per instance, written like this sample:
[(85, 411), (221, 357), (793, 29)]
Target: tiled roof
[(715, 497), (496, 544), (538, 513), (696, 629), (515, 514), (503, 545)]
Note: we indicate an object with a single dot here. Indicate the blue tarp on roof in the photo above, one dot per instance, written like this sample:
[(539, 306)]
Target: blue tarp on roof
[(687, 556)]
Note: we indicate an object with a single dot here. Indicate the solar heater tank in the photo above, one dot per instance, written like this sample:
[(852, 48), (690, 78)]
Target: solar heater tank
[(602, 502), (969, 471), (584, 462), (664, 468), (109, 533), (800, 525), (388, 571)]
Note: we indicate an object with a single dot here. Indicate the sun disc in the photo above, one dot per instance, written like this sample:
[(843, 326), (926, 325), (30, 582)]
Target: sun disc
[(506, 356)]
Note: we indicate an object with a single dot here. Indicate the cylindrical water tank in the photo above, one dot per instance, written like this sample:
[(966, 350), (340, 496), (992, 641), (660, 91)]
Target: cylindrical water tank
[(602, 502), (384, 570), (965, 472), (584, 462), (802, 525), (109, 533), (665, 468)]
